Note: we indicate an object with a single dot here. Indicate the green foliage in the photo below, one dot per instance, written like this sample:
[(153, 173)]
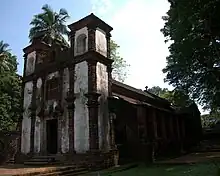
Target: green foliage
[(176, 97), (10, 90), (209, 120), (156, 90), (50, 26), (119, 65), (193, 29)]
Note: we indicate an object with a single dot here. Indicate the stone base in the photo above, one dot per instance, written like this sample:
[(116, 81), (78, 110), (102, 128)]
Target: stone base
[(91, 160), (20, 158)]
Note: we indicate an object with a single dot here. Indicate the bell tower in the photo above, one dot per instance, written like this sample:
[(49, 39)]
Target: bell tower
[(91, 83)]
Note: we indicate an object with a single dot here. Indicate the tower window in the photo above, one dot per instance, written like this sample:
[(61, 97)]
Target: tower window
[(81, 44)]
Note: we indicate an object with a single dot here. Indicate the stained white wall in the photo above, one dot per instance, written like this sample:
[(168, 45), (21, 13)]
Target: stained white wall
[(38, 122), (101, 42), (64, 130), (30, 64), (54, 102), (26, 122), (81, 119), (77, 34), (103, 116)]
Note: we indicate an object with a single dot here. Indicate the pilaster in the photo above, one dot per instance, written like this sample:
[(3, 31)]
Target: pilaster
[(33, 115), (42, 146), (91, 38), (108, 39), (70, 101), (93, 105), (72, 42), (60, 112)]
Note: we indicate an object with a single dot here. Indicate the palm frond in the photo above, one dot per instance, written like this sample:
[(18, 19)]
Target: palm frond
[(63, 12), (51, 23), (3, 47)]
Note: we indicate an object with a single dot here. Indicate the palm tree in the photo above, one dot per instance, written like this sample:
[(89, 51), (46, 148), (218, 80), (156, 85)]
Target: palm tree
[(50, 26), (6, 58)]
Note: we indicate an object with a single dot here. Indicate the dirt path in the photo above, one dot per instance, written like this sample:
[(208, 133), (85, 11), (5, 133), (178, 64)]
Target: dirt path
[(15, 169)]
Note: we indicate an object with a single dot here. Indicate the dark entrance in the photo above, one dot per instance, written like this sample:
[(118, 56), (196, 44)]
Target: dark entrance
[(52, 136)]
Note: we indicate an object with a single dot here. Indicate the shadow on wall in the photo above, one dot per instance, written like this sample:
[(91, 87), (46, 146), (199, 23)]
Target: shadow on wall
[(8, 145)]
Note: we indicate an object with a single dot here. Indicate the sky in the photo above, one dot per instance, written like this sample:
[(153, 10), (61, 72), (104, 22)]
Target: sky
[(136, 25)]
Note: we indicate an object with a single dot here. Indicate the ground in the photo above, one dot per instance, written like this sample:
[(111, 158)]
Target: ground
[(202, 169), (194, 164)]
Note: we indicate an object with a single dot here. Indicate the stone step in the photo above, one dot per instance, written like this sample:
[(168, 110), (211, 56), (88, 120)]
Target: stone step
[(36, 163), (40, 163), (66, 172), (43, 159), (44, 156), (11, 161)]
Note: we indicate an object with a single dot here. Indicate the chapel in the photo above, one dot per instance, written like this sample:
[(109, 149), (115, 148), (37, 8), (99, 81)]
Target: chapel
[(74, 110)]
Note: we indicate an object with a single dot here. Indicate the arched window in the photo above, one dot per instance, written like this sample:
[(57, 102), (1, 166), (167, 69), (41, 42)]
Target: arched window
[(81, 44)]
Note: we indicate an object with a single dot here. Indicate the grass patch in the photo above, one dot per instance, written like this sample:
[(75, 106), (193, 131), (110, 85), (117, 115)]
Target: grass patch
[(201, 169)]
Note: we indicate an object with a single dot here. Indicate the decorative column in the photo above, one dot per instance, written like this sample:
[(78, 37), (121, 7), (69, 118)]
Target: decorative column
[(71, 106), (33, 114), (41, 115), (72, 43), (59, 111), (112, 115), (91, 38), (93, 105), (108, 39)]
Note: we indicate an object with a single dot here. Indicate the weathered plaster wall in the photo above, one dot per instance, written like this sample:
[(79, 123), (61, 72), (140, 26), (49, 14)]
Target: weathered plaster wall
[(26, 122), (101, 43), (77, 34), (52, 75), (30, 65), (81, 119), (38, 122), (65, 127), (54, 102), (102, 88)]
